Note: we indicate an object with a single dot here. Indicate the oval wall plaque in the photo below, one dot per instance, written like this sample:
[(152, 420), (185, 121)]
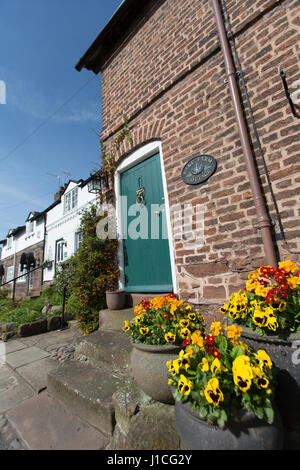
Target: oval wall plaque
[(198, 169)]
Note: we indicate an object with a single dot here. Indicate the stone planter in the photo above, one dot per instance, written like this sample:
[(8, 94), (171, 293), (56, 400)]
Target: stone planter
[(283, 353), (115, 300), (148, 364), (248, 433)]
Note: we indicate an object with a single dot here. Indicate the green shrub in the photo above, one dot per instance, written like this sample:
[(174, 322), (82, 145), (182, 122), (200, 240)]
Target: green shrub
[(88, 274)]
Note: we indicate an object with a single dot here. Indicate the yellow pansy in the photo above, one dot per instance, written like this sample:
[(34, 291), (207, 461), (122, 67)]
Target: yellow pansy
[(212, 392), (216, 366), (185, 333), (170, 337), (184, 322), (184, 358), (260, 379), (263, 357), (138, 319), (204, 365), (144, 331), (126, 327), (184, 385)]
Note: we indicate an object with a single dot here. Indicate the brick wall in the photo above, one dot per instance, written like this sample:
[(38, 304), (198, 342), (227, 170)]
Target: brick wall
[(168, 77)]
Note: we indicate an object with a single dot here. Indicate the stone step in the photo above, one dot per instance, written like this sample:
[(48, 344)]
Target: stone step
[(104, 348), (134, 298), (114, 319), (87, 391)]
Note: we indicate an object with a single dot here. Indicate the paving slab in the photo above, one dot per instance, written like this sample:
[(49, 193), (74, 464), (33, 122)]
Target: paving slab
[(13, 389), (35, 373), (42, 423), (11, 346), (25, 356)]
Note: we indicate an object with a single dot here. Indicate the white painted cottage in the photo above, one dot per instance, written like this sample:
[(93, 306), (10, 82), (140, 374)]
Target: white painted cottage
[(63, 236), (52, 235)]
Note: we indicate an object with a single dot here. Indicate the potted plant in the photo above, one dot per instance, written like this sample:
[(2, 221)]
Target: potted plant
[(269, 312), (115, 299), (223, 391), (160, 328)]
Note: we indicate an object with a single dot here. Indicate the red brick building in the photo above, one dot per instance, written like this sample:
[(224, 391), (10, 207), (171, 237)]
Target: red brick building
[(161, 63)]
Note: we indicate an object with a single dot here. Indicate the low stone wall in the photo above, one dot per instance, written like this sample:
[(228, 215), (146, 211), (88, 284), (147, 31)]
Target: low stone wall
[(8, 330)]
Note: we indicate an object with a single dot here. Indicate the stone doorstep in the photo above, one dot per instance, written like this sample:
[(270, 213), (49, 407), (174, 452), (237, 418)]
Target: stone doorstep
[(114, 319), (104, 347), (134, 298)]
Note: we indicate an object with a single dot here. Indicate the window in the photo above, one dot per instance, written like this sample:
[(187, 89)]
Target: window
[(59, 251), (1, 274), (30, 280), (78, 240), (29, 226), (71, 200), (9, 242), (20, 272), (10, 273)]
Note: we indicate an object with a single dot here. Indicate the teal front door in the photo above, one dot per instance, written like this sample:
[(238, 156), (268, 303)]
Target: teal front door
[(147, 265)]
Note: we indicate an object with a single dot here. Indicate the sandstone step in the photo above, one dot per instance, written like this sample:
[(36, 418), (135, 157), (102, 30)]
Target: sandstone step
[(114, 319), (104, 347), (87, 391), (134, 298)]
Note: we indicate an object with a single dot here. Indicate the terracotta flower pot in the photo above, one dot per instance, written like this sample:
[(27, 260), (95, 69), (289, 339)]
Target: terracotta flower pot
[(148, 364), (115, 300), (248, 433), (285, 356)]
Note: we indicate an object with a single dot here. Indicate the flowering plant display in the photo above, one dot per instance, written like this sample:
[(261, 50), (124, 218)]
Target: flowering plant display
[(270, 302), (220, 376), (164, 320)]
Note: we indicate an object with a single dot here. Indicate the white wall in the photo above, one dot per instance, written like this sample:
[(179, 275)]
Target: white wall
[(64, 225), (24, 240)]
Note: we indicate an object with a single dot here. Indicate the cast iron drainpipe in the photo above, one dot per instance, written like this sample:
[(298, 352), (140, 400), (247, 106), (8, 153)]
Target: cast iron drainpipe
[(264, 223)]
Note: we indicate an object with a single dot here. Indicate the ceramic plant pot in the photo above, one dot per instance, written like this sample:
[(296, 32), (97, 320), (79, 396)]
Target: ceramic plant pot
[(148, 364), (115, 300), (248, 433)]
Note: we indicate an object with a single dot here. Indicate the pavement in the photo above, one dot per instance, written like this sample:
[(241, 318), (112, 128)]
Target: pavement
[(31, 419)]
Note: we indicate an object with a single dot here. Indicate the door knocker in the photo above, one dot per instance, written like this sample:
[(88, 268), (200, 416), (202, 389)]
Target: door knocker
[(140, 195)]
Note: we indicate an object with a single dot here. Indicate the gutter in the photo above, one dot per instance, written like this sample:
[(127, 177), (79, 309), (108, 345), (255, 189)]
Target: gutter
[(264, 223)]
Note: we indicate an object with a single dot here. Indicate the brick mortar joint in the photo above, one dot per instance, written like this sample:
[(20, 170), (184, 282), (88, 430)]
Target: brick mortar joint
[(190, 69)]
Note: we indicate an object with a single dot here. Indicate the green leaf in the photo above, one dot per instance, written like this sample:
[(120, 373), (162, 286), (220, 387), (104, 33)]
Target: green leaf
[(269, 412), (203, 412), (222, 419), (236, 351), (259, 412)]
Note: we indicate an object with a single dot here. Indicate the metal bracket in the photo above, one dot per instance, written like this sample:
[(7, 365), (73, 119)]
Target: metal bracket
[(236, 73), (287, 93)]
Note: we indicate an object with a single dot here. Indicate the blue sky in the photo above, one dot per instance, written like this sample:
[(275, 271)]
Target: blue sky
[(40, 43)]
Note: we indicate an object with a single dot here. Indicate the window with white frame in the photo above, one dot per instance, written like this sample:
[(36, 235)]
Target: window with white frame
[(30, 280), (59, 257), (29, 226), (78, 240), (9, 242), (20, 272), (10, 273), (71, 200)]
